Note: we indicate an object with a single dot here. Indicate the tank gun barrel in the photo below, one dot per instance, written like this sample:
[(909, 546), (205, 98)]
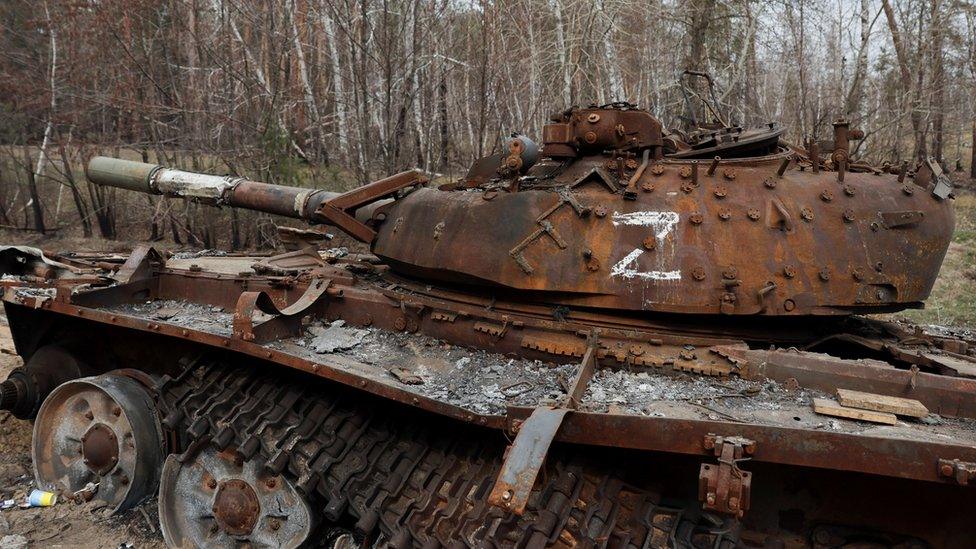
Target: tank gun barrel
[(311, 205)]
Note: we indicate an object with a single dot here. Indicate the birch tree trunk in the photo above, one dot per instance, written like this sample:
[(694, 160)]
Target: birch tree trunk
[(310, 103), (938, 82), (906, 73), (48, 128), (335, 63), (563, 48), (616, 81)]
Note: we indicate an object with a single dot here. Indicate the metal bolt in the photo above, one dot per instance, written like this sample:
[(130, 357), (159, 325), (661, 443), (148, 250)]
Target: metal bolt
[(713, 165), (789, 305), (271, 483), (507, 496), (770, 183), (725, 214), (907, 189), (782, 167), (946, 469)]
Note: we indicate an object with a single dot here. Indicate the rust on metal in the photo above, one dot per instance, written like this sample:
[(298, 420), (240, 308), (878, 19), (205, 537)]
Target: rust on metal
[(236, 507), (285, 321), (100, 448), (724, 487), (524, 459), (960, 471)]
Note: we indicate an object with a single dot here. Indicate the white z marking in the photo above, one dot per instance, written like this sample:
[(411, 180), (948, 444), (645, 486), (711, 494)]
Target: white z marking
[(662, 223)]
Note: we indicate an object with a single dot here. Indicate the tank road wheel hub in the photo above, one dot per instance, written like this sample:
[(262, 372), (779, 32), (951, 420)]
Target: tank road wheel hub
[(236, 507), (213, 499), (100, 449), (102, 430)]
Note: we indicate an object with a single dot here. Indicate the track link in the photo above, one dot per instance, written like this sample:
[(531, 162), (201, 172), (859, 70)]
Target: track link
[(402, 478)]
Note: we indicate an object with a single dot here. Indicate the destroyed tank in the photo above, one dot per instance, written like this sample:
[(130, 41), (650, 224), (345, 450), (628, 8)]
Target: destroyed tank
[(627, 337)]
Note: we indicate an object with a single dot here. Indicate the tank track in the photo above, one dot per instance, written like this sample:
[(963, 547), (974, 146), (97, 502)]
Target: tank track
[(403, 478)]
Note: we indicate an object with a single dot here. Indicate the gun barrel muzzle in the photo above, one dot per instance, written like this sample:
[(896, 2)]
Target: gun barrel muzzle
[(124, 174)]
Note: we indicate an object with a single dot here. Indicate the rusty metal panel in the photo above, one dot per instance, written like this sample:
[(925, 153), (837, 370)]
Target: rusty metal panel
[(524, 459)]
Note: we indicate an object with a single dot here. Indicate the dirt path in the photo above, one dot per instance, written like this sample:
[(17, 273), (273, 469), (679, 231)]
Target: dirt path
[(65, 524)]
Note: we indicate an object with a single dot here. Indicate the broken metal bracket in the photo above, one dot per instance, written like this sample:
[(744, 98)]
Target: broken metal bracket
[(339, 211), (524, 459), (585, 373), (725, 488), (287, 321), (527, 454), (961, 471), (141, 265)]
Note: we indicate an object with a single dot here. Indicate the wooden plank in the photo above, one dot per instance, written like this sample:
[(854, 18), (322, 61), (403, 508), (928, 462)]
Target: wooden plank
[(829, 407), (882, 403)]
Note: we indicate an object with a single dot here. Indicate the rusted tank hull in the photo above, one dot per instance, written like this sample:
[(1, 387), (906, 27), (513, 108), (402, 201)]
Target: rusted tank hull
[(806, 474)]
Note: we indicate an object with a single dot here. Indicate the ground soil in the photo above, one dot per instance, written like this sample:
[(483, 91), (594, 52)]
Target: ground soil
[(66, 524)]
